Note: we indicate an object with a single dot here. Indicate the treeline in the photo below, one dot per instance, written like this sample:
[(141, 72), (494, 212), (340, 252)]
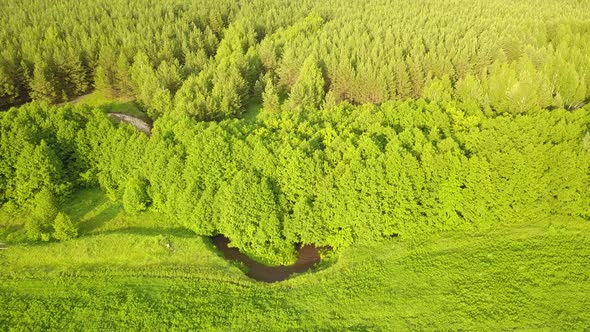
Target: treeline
[(330, 177), (209, 60)]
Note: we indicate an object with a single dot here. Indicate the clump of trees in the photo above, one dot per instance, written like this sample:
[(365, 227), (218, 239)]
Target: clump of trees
[(45, 222)]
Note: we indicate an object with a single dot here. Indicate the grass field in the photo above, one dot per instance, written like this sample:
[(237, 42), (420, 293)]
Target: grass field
[(119, 275)]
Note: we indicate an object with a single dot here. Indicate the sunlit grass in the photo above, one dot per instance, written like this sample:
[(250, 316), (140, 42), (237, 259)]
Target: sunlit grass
[(119, 274), (112, 104)]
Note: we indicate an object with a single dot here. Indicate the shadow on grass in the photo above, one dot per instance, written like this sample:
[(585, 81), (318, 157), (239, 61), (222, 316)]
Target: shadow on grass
[(96, 222), (178, 232), (252, 110)]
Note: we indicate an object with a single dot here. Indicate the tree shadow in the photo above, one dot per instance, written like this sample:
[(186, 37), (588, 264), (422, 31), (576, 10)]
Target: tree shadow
[(97, 221), (252, 110), (179, 232)]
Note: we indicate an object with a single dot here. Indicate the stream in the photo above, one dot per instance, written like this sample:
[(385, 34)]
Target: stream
[(308, 256)]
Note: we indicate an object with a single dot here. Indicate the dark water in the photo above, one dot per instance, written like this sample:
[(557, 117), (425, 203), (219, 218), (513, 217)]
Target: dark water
[(308, 256)]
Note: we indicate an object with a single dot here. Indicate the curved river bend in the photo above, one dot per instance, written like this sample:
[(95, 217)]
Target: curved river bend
[(308, 256)]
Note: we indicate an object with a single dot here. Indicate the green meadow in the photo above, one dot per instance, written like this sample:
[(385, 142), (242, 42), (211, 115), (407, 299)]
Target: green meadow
[(119, 275)]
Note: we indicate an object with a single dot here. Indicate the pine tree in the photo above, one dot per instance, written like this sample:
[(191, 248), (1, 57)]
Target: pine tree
[(270, 98), (144, 80), (169, 75), (72, 80), (567, 85), (104, 75), (43, 86), (329, 100), (8, 89), (501, 82), (229, 92), (439, 89), (308, 91), (122, 78), (403, 86)]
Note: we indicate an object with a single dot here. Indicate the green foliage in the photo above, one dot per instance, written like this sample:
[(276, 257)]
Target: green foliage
[(101, 80), (43, 84), (366, 53), (39, 225), (38, 167), (122, 77), (270, 97), (465, 124), (64, 228), (439, 90), (308, 91), (353, 174), (9, 91), (253, 224), (135, 198)]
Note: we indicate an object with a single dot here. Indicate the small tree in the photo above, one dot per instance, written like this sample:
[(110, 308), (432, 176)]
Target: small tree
[(135, 197), (122, 77), (102, 81), (43, 213), (439, 89), (64, 228)]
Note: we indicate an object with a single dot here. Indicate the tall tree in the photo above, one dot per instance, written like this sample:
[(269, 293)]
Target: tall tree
[(37, 168), (308, 91), (270, 97), (122, 78), (43, 85)]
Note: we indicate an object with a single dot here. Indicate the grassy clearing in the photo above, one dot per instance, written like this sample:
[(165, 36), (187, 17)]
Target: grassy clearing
[(111, 104), (119, 276), (252, 110)]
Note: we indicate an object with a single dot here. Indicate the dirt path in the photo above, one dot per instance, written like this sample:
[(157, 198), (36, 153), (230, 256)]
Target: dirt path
[(136, 122)]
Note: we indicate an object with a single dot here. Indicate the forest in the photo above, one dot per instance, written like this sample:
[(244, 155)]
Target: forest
[(361, 126)]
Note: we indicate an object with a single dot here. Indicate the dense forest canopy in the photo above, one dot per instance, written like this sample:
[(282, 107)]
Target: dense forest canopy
[(378, 118), (209, 59)]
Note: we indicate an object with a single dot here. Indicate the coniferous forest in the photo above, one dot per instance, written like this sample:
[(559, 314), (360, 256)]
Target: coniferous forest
[(437, 151)]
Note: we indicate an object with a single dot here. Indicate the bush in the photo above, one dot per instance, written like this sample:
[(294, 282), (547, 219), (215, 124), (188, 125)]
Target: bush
[(38, 226), (135, 197), (64, 228)]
